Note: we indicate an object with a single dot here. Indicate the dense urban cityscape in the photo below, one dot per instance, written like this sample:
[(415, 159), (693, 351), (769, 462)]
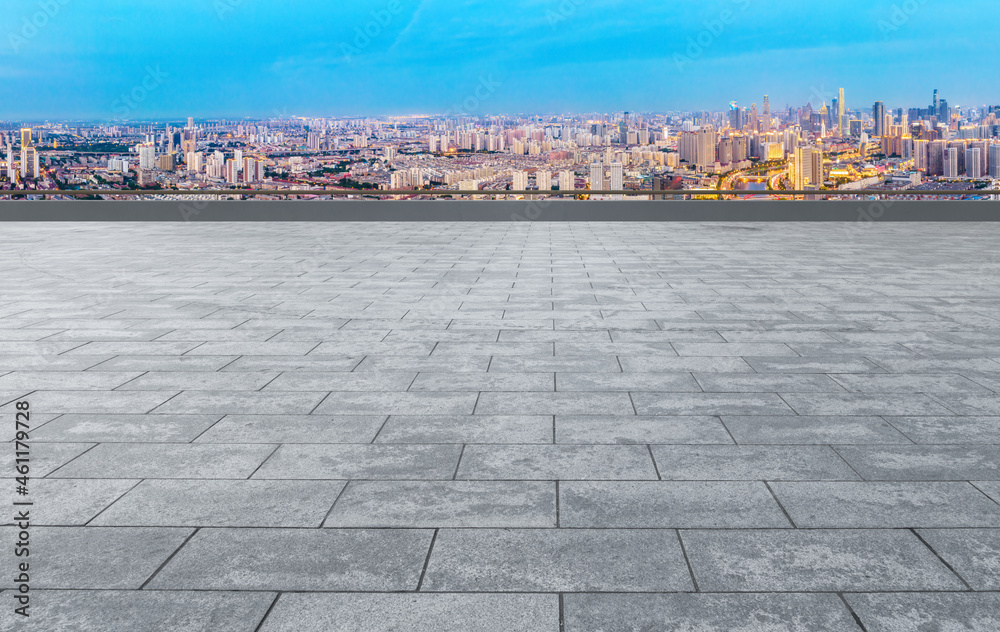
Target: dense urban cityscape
[(760, 149)]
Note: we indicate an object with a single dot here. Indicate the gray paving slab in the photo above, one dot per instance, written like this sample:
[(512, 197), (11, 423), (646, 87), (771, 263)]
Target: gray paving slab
[(146, 610), (710, 404), (161, 363), (813, 429), (766, 383), (243, 429), (556, 462), (166, 460), (402, 504), (199, 381), (667, 364), (685, 612), (971, 404), (790, 560), (557, 560), (98, 402), (447, 612), (990, 488), (239, 403), (45, 458), (26, 381), (945, 430), (69, 502), (815, 364), (660, 382), (124, 428), (668, 504), (346, 462), (310, 363), (408, 403), (475, 377), (924, 462), (863, 404), (973, 553), (510, 382), (903, 612), (467, 429), (364, 560), (750, 462), (624, 429), (183, 503), (96, 557), (524, 403), (886, 505)]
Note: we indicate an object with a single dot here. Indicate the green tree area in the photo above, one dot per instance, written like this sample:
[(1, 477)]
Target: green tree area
[(348, 183)]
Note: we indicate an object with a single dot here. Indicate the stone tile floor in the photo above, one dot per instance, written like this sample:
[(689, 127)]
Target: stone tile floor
[(518, 427)]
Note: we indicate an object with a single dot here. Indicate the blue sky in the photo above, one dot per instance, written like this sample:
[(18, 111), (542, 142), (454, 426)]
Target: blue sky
[(208, 58)]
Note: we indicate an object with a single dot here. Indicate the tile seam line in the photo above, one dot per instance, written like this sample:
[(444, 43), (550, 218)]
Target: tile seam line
[(946, 564), (267, 613), (169, 557), (427, 561), (850, 609)]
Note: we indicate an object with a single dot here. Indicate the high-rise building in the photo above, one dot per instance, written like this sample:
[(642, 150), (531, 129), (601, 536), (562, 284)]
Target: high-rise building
[(232, 171), (706, 147), (543, 179), (951, 162), (841, 112), (25, 137), (973, 163), (806, 168), (935, 157), (11, 171), (994, 161), (617, 179), (520, 181), (920, 155), (194, 162), (29, 162), (147, 156), (878, 114), (856, 127), (597, 176), (567, 181)]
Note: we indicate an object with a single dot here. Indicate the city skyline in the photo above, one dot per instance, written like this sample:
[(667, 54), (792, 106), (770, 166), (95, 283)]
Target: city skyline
[(230, 58)]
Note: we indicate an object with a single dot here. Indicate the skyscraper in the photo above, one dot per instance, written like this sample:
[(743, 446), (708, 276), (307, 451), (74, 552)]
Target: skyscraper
[(25, 137), (543, 179), (994, 161), (973, 163), (520, 181), (617, 179), (29, 162), (567, 181), (11, 172), (878, 113), (597, 176), (951, 163), (807, 167), (841, 113)]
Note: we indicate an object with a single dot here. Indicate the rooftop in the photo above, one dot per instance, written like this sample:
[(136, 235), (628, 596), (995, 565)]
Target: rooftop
[(455, 427)]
